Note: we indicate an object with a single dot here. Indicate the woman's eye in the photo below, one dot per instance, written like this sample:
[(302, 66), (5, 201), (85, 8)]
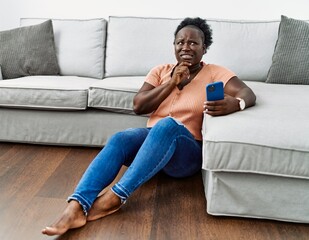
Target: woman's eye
[(188, 43)]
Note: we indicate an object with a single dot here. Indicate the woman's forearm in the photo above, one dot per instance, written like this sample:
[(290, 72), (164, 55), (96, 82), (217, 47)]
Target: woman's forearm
[(149, 98)]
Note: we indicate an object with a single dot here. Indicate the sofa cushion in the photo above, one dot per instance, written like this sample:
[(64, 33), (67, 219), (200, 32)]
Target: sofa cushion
[(80, 45), (46, 92), (28, 51), (265, 139), (150, 42), (244, 46), (291, 57), (249, 56), (115, 93)]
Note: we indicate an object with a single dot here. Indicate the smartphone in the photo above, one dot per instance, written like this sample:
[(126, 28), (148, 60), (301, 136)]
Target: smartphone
[(214, 91)]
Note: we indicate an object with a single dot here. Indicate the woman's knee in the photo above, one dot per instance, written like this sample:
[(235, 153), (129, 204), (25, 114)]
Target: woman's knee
[(118, 138), (169, 125), (169, 121), (128, 136)]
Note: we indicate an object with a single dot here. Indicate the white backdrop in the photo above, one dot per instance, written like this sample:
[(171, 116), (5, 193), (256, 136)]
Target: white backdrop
[(12, 10)]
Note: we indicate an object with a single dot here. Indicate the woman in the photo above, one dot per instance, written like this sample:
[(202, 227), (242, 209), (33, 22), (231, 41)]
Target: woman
[(172, 141)]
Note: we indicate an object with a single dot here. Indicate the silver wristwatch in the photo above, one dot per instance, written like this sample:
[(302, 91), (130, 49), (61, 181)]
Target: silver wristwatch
[(242, 103)]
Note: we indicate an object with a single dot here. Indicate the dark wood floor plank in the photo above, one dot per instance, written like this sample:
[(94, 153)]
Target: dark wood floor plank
[(36, 180), (27, 168), (4, 147), (14, 156), (68, 173), (175, 201), (27, 224)]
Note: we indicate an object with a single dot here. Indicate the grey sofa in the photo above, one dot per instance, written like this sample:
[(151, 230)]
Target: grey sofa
[(256, 162)]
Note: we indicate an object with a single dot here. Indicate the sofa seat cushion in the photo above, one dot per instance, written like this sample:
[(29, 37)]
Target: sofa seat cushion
[(115, 93), (270, 138), (46, 92)]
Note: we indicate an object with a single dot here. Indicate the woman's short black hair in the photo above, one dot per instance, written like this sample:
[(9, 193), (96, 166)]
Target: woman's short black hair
[(200, 24)]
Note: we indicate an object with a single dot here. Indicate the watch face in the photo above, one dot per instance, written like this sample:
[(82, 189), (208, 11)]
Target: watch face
[(242, 104)]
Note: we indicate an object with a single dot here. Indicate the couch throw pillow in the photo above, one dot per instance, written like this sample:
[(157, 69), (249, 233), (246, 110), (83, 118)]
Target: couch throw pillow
[(290, 61), (28, 51)]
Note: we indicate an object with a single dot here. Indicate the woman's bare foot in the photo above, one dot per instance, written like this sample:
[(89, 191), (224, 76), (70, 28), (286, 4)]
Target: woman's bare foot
[(72, 217), (104, 205)]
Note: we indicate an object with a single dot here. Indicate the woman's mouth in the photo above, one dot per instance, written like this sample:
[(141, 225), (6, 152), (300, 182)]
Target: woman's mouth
[(186, 57)]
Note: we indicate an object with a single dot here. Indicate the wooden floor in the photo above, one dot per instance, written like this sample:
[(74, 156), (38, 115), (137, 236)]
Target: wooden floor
[(35, 181)]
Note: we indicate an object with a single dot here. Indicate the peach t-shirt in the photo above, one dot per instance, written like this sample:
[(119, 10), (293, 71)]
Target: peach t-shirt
[(186, 105)]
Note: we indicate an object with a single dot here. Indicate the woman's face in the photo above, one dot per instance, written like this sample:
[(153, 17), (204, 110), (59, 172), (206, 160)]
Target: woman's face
[(189, 45)]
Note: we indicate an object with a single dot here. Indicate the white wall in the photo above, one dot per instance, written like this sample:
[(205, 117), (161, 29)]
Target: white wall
[(12, 10)]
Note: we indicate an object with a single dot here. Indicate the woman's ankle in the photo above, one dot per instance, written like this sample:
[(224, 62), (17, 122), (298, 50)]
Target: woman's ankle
[(104, 205)]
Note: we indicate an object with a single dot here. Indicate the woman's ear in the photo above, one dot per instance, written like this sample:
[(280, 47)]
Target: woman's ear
[(204, 48)]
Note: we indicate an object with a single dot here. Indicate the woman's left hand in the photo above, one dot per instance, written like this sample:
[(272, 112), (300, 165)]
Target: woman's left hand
[(235, 88), (221, 107)]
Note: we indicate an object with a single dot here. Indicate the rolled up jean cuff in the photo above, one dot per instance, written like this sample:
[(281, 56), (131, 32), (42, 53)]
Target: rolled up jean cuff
[(82, 202), (120, 192)]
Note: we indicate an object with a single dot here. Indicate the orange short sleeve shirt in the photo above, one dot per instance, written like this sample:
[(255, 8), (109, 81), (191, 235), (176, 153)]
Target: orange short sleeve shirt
[(186, 105)]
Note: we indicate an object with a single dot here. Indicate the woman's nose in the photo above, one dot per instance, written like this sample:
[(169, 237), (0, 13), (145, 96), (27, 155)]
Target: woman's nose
[(186, 46)]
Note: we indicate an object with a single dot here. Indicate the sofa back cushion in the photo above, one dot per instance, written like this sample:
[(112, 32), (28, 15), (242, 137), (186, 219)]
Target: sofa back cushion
[(136, 44), (80, 45), (245, 47)]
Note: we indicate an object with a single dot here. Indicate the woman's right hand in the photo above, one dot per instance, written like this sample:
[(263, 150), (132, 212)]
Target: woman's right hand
[(181, 72), (149, 97)]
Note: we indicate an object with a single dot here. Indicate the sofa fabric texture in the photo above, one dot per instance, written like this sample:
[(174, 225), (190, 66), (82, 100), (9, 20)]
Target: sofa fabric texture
[(290, 63), (28, 51)]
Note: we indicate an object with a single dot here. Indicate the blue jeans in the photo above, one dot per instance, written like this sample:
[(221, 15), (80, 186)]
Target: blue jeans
[(168, 146)]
